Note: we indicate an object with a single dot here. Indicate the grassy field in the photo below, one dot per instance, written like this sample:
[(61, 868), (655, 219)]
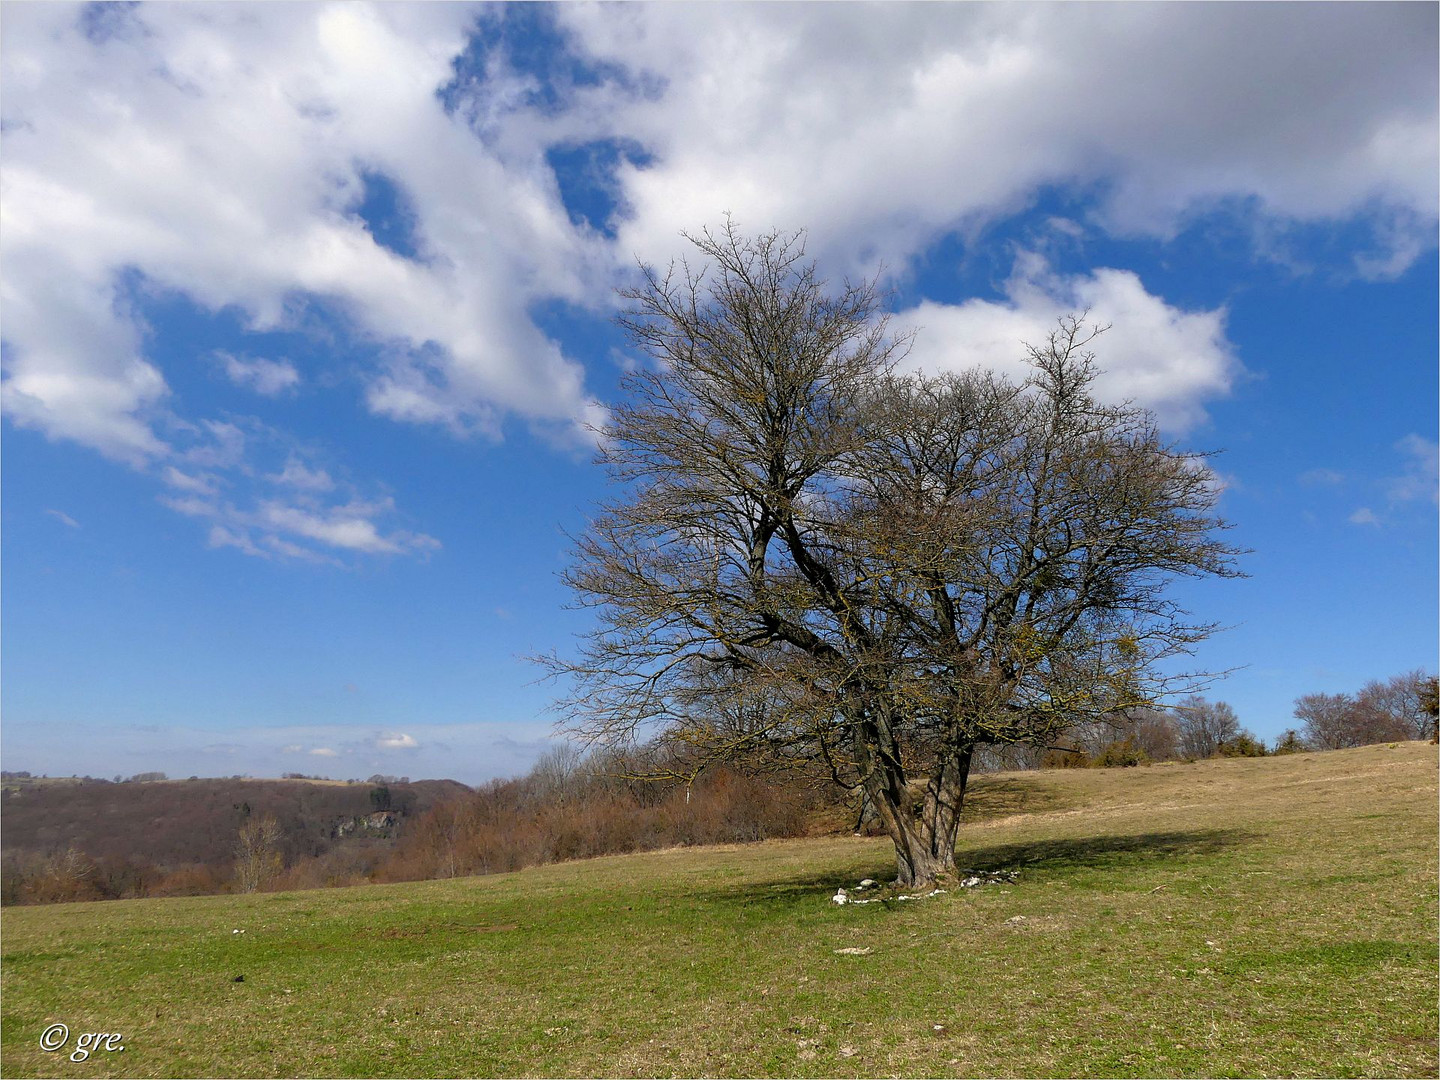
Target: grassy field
[(1266, 917)]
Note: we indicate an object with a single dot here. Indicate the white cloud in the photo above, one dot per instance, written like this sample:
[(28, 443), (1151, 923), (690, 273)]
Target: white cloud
[(1364, 516), (297, 475), (63, 518), (267, 377), (1167, 359), (396, 742), (216, 444), (470, 752), (303, 530), (882, 127), (1420, 478), (324, 751), (1322, 478), (348, 527), (219, 153), (193, 483), (258, 506)]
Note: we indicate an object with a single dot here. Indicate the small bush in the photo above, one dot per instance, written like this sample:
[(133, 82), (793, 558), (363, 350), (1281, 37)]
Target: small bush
[(1122, 754), (1242, 745), (1065, 759), (1289, 743)]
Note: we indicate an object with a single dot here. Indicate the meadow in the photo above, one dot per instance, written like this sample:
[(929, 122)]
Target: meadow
[(1244, 917)]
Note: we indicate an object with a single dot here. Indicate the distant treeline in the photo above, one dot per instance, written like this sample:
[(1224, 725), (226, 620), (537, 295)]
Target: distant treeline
[(1398, 709), (82, 839)]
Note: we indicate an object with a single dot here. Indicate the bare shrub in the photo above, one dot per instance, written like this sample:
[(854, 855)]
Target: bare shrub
[(257, 854)]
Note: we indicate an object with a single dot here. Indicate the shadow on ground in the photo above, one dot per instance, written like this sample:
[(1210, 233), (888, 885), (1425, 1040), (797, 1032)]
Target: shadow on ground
[(1101, 851), (1091, 852), (995, 797)]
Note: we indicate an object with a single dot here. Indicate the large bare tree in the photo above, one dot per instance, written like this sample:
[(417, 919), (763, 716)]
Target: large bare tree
[(817, 563)]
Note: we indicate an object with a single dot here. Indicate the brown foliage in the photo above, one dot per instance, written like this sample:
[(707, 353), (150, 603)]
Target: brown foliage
[(510, 825)]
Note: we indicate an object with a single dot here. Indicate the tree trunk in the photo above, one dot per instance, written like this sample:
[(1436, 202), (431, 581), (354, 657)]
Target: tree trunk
[(944, 799), (925, 841)]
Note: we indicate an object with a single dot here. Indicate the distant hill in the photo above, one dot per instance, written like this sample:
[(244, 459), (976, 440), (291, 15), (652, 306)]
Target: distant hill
[(157, 829)]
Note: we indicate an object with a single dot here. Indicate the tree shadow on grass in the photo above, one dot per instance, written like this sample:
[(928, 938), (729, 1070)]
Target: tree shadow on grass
[(991, 797), (1101, 852), (1109, 852)]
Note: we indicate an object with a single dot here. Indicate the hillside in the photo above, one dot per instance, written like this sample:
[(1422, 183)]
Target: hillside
[(1271, 916), (156, 828)]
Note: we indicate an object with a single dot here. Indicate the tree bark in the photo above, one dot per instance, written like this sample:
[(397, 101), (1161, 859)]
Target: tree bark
[(924, 841), (944, 799)]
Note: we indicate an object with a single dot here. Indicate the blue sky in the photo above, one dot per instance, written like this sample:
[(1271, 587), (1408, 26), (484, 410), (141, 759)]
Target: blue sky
[(307, 313)]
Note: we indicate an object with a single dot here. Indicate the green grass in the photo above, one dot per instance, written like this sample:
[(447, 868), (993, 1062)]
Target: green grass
[(1271, 917)]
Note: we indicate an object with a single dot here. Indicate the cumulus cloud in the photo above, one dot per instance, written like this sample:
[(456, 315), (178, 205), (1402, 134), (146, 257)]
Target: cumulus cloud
[(267, 377), (1364, 516), (1420, 477), (882, 128), (223, 154), (324, 751), (398, 741), (1167, 359)]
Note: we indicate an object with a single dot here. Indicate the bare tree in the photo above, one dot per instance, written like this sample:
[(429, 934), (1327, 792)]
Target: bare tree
[(556, 772), (1328, 721), (257, 853), (818, 565), (1398, 708), (1157, 733), (1429, 695), (1392, 711), (1204, 725)]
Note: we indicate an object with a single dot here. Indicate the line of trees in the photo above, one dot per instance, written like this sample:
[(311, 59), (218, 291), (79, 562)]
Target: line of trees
[(574, 805), (91, 839), (1403, 707)]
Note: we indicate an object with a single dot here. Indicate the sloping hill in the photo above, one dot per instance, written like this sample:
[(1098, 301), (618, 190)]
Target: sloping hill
[(1244, 917), (171, 823)]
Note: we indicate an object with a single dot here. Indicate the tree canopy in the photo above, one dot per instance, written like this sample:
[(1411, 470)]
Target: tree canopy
[(817, 562)]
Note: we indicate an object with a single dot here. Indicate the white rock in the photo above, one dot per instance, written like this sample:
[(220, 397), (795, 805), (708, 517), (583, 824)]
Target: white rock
[(840, 898), (867, 883)]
